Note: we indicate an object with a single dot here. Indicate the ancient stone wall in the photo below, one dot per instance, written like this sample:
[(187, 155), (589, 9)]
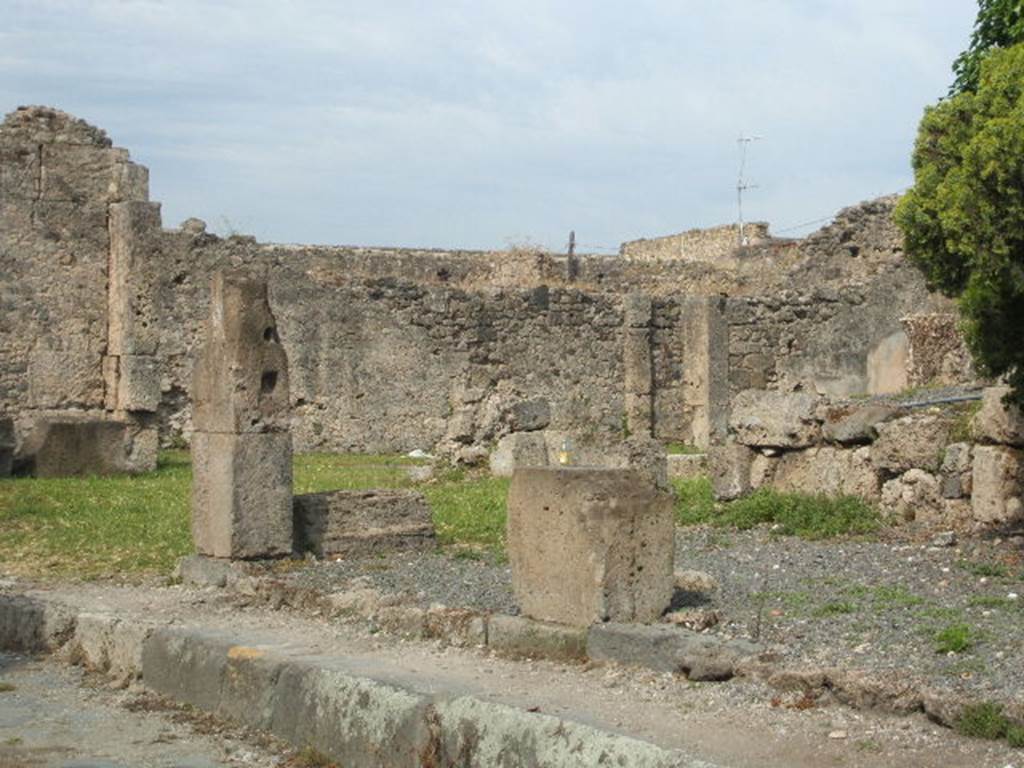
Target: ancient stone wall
[(716, 245), (394, 349)]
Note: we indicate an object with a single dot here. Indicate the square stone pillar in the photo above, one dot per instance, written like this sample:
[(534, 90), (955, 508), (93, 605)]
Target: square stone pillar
[(241, 447), (588, 545)]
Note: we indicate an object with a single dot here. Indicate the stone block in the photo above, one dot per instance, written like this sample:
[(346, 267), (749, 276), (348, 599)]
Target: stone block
[(360, 522), (135, 249), (530, 415), (242, 494), (730, 465), (915, 495), (588, 545), (830, 471), (855, 425), (686, 466), (64, 448), (918, 440), (7, 446), (767, 419), (996, 421), (517, 451), (138, 383), (19, 173), (240, 380), (669, 649), (70, 376), (997, 475), (956, 471), (636, 361), (521, 637), (74, 173)]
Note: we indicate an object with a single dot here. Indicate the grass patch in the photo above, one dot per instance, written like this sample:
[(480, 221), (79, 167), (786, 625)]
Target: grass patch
[(695, 501), (990, 601), (983, 721), (311, 758), (795, 514), (895, 596), (469, 510), (1015, 736), (956, 638), (987, 570), (130, 526), (7, 687), (835, 608), (809, 517)]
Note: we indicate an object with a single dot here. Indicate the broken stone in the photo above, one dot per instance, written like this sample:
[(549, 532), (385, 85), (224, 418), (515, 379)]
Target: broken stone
[(996, 480), (530, 415), (695, 581), (769, 419), (729, 464), (855, 426), (913, 496), (830, 471), (997, 421), (240, 381), (360, 522), (589, 545), (915, 441)]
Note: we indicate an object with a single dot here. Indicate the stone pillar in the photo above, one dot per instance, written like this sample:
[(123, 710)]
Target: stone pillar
[(241, 447), (637, 363), (589, 545), (706, 364)]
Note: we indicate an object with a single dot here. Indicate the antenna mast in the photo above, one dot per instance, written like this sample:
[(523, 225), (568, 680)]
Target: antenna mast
[(741, 183)]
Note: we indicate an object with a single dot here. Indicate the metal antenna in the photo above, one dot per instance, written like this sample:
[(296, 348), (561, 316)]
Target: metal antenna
[(741, 184)]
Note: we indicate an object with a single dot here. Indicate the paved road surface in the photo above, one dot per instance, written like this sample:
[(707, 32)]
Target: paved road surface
[(48, 719)]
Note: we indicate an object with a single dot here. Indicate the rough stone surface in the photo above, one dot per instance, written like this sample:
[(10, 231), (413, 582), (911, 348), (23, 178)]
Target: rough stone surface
[(241, 377), (358, 522), (589, 545), (855, 425), (669, 649), (730, 468), (768, 419), (686, 466), (242, 494), (956, 471), (996, 421), (828, 470), (7, 445), (998, 473), (90, 447), (518, 636), (518, 450), (914, 495), (915, 441)]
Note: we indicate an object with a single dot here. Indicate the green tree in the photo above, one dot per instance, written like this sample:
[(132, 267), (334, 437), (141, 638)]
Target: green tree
[(963, 221), (1000, 24)]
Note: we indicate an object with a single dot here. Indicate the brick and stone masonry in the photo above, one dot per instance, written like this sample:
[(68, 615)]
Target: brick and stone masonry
[(589, 545), (241, 447)]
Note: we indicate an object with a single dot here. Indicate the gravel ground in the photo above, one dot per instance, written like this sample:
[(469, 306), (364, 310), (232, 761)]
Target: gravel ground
[(875, 605)]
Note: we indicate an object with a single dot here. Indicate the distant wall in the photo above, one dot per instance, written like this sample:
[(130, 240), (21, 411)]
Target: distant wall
[(714, 245)]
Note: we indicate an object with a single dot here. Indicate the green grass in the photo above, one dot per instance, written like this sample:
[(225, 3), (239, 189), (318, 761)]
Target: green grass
[(795, 514), (7, 687), (990, 601), (127, 526), (984, 720), (987, 570), (956, 638), (682, 449), (886, 596), (835, 608)]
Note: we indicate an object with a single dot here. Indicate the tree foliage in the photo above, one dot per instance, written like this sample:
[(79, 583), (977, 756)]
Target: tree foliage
[(963, 221), (1000, 24)]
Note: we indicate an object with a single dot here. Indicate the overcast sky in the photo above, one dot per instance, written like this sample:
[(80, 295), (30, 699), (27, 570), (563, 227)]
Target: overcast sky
[(478, 124)]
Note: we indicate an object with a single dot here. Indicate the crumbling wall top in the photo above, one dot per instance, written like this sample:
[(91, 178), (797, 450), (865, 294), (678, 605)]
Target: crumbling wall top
[(46, 125)]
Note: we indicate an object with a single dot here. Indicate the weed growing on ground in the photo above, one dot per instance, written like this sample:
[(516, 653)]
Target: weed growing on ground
[(956, 638), (893, 596), (311, 758), (984, 720), (1015, 736), (695, 502), (835, 608), (987, 570), (990, 601), (7, 687), (682, 449)]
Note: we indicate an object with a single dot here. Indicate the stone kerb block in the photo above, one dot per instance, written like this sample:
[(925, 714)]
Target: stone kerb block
[(589, 545), (240, 381), (241, 447), (768, 419), (361, 522)]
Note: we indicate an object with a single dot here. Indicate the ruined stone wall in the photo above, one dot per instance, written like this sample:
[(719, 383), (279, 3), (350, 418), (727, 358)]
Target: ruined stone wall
[(59, 180), (715, 245)]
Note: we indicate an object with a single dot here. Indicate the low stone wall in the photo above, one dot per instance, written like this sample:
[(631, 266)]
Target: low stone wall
[(944, 466)]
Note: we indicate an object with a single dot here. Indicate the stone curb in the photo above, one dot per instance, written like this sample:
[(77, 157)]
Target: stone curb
[(655, 647), (314, 701)]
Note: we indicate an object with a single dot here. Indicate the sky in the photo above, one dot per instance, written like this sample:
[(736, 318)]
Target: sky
[(484, 124)]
